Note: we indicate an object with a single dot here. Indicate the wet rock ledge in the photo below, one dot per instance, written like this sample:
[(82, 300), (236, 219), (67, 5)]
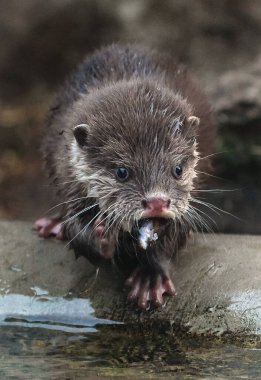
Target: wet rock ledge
[(217, 277)]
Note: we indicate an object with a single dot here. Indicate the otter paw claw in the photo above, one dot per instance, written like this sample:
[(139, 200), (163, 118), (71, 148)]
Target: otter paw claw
[(148, 289), (47, 227)]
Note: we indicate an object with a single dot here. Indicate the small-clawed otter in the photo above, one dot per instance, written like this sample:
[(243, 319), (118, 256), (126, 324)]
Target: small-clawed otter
[(127, 143)]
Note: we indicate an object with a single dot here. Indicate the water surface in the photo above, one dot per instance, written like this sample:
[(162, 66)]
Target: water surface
[(46, 337)]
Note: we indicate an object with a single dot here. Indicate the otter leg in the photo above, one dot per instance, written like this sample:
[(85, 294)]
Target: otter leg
[(47, 227), (89, 239), (148, 287), (105, 245)]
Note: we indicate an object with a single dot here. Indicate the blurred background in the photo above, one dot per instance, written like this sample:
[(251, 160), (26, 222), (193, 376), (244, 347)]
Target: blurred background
[(220, 41)]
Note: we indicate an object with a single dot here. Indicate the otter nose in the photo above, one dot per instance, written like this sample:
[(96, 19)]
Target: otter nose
[(155, 204)]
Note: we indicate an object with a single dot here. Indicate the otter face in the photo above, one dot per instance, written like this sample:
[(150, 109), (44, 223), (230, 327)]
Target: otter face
[(135, 151)]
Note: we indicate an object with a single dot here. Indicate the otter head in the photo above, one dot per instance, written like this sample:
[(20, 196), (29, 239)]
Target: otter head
[(134, 149)]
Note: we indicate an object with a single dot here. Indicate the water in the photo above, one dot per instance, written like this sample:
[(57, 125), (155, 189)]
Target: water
[(45, 337)]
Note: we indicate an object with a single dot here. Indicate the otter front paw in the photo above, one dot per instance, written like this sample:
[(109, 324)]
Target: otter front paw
[(105, 245), (47, 227), (148, 288)]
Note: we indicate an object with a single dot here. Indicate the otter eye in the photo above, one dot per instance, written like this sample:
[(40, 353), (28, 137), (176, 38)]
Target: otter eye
[(177, 171), (122, 174)]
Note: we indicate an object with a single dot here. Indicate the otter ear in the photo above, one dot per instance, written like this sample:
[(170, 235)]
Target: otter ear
[(81, 134), (193, 122), (191, 128), (187, 126)]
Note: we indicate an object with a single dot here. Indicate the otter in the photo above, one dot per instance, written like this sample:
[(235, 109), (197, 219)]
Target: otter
[(127, 143)]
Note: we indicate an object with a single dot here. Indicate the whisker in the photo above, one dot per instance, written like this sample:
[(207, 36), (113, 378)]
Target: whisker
[(214, 190), (199, 219), (86, 226), (115, 219), (197, 211), (201, 223), (215, 209), (79, 213), (104, 219), (85, 291), (206, 204), (213, 154), (62, 203), (189, 217), (209, 175)]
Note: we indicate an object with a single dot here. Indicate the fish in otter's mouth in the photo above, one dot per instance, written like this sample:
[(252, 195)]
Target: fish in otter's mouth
[(148, 230)]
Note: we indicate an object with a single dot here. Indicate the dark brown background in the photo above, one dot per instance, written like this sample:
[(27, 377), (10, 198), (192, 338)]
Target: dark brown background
[(42, 41)]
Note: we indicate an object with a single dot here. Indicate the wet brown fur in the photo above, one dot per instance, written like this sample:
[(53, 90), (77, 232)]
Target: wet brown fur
[(131, 99)]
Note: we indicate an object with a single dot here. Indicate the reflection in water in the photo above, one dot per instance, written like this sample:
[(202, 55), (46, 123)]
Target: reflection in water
[(53, 313), (46, 337)]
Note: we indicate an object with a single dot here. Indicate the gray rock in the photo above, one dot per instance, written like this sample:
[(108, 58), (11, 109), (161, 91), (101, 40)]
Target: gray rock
[(217, 278)]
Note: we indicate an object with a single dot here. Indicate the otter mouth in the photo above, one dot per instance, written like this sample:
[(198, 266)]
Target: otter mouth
[(149, 230), (155, 220)]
